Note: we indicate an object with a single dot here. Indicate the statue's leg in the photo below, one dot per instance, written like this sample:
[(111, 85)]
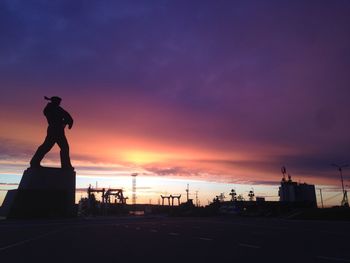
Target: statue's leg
[(42, 150), (64, 153)]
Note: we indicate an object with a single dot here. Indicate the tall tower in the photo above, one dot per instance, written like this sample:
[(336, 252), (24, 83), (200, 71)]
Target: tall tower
[(187, 191), (134, 188), (251, 195)]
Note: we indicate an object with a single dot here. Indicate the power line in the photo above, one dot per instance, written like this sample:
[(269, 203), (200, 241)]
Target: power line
[(329, 198)]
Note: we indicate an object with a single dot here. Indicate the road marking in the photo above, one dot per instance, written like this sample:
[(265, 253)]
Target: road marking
[(29, 240), (205, 239), (154, 230), (173, 234), (137, 228), (334, 259), (248, 245), (126, 226)]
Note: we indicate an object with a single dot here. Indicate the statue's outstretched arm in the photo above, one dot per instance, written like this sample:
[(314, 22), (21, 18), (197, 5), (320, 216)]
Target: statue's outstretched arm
[(67, 119)]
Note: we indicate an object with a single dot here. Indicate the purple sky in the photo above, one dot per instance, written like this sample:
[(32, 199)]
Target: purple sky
[(265, 79)]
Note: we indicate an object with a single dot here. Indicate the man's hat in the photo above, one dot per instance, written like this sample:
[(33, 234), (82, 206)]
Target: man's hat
[(53, 99)]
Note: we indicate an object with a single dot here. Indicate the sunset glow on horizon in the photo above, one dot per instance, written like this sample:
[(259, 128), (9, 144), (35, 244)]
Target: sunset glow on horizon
[(218, 95)]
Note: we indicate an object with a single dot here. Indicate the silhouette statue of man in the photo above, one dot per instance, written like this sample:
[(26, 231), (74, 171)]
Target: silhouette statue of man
[(57, 119)]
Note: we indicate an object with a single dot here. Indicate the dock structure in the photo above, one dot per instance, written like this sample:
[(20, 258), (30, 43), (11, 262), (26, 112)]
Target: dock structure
[(171, 197), (107, 193)]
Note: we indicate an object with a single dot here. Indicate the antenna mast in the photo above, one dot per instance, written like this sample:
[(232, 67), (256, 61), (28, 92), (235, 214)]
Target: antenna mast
[(187, 191), (134, 188)]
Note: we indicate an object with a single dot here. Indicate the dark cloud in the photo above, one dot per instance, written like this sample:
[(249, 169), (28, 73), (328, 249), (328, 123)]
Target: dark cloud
[(14, 149), (236, 75), (263, 182), (172, 171)]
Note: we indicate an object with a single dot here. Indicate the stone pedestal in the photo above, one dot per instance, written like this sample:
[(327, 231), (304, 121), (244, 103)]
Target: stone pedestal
[(43, 193)]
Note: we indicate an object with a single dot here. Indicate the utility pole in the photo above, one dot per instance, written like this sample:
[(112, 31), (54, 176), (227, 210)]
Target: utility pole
[(187, 192), (251, 195), (321, 197), (344, 201), (233, 195)]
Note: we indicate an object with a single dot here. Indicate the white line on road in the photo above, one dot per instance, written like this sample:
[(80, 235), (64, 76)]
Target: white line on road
[(173, 234), (154, 230), (334, 259), (248, 245), (29, 240)]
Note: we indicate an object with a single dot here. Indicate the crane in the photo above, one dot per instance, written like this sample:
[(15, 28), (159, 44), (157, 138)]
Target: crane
[(344, 201)]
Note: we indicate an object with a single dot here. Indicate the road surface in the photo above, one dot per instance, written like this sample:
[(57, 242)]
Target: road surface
[(167, 239)]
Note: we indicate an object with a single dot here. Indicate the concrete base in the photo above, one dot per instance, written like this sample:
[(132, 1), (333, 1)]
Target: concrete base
[(8, 201), (42, 193)]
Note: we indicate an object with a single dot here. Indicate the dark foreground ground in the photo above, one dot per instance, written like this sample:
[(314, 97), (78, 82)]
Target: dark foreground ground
[(164, 239)]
